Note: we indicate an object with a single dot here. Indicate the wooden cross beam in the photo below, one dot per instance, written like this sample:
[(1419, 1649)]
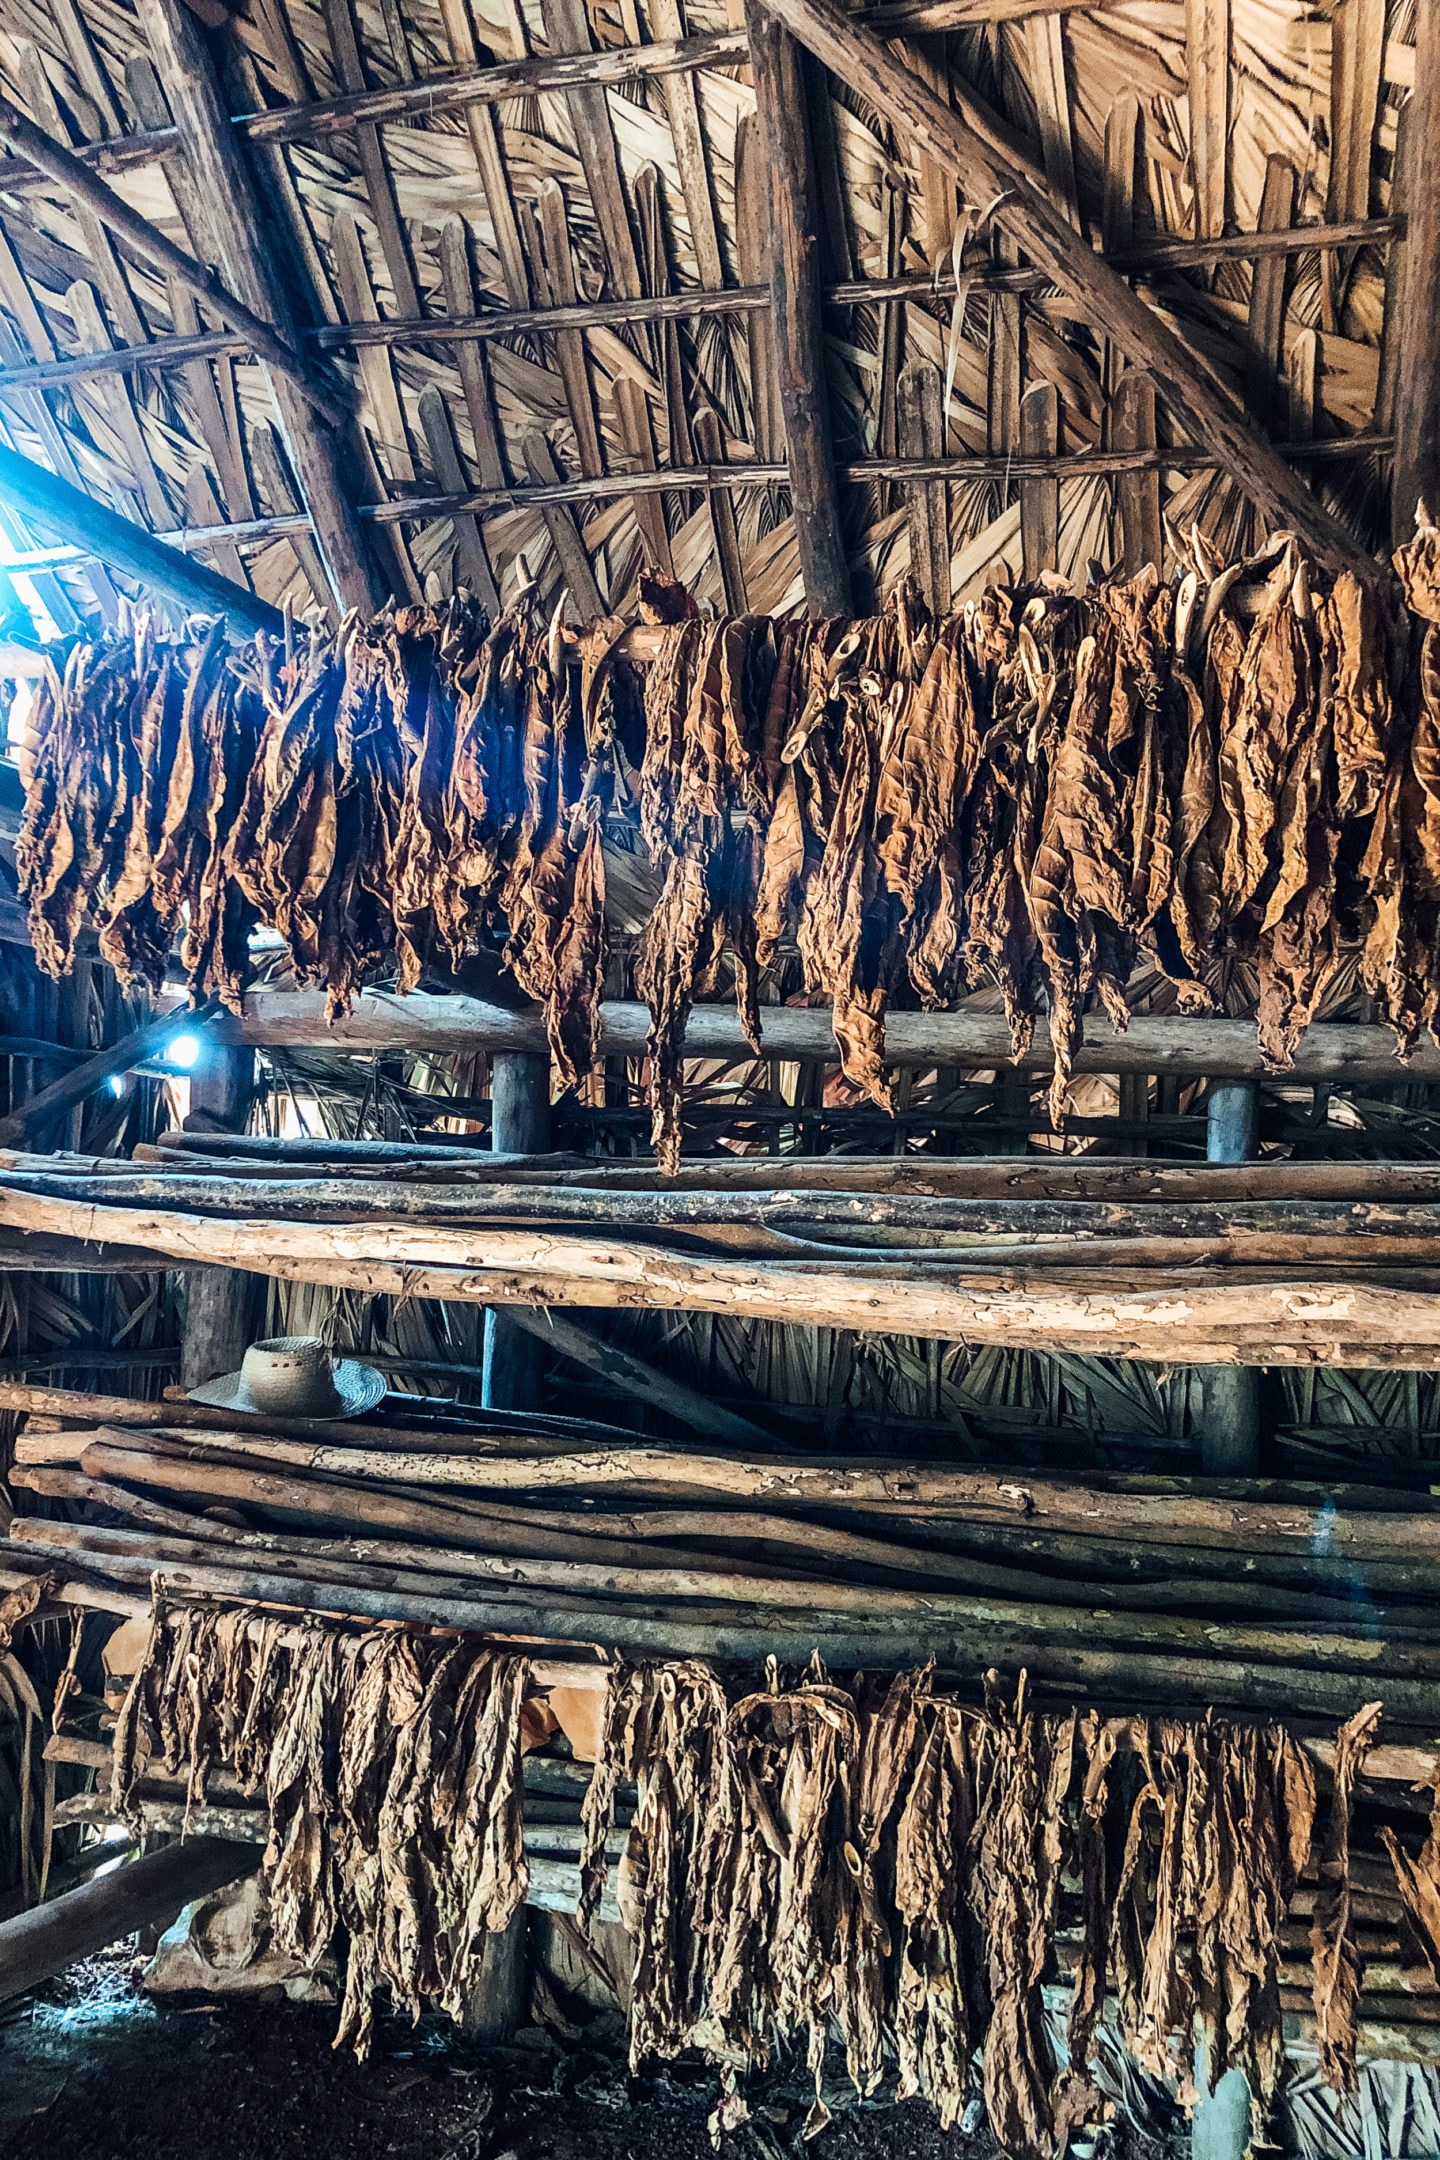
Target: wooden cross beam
[(1022, 210), (222, 182)]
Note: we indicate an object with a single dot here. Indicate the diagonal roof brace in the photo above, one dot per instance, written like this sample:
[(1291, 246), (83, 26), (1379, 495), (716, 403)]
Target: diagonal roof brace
[(87, 186)]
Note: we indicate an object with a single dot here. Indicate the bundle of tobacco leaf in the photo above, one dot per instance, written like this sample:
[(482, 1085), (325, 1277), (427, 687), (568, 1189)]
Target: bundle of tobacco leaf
[(1241, 766), (390, 1768), (881, 1866)]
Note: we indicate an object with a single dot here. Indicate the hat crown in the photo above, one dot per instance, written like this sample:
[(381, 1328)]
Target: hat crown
[(292, 1373)]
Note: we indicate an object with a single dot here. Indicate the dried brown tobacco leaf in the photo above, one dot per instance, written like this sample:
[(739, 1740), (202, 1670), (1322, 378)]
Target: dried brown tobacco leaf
[(422, 715), (1046, 666), (940, 2005), (664, 1730), (1276, 705), (1101, 1740), (1356, 678), (1418, 1882), (1338, 1965), (553, 893), (1417, 566), (300, 1858), (883, 817), (1005, 811), (280, 852), (1015, 1892), (134, 936), (392, 1771), (921, 794), (703, 810), (780, 1891)]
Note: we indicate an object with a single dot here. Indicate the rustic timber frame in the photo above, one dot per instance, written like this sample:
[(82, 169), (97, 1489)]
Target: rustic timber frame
[(401, 450)]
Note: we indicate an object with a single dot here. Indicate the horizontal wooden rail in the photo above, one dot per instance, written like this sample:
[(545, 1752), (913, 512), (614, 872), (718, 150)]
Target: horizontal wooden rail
[(495, 323), (1171, 1043), (419, 509), (490, 84)]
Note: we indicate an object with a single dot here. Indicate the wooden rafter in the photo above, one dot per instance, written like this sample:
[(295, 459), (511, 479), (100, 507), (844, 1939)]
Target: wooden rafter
[(223, 181), (795, 314), (1417, 387), (1104, 299), (87, 187), (71, 516), (549, 492)]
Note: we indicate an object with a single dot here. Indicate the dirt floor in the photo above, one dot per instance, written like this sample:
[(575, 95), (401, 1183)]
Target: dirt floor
[(95, 2070)]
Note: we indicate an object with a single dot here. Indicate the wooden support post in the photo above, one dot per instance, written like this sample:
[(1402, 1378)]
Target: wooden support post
[(223, 185), (496, 2008), (1100, 296), (1220, 2126), (1230, 1430), (1040, 499), (519, 1125), (1417, 384), (67, 514), (796, 317), (36, 1945), (218, 1301), (1232, 1129)]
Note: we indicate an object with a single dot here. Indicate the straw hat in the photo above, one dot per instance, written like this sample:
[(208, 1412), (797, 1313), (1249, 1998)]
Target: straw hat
[(295, 1376)]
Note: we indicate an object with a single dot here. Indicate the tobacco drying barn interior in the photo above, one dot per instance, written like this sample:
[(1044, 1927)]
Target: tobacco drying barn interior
[(719, 1079)]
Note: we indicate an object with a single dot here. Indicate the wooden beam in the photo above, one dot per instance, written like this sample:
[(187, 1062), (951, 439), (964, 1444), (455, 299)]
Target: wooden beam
[(633, 1376), (1331, 1051), (464, 328), (511, 1360), (1417, 387), (218, 1301), (87, 187), (1099, 294), (68, 514), (549, 494), (37, 1945), (795, 312), (223, 184), (78, 1086)]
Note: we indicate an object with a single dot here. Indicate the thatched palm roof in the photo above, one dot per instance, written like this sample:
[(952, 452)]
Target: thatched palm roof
[(1151, 121)]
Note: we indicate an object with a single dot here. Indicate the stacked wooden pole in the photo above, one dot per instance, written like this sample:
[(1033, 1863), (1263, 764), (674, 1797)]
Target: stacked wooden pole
[(1140, 1589), (1252, 1265)]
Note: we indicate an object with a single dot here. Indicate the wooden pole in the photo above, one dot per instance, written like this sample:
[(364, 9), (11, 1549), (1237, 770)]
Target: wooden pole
[(512, 1358), (36, 1945), (1100, 295), (68, 514), (218, 1301), (1230, 1394), (224, 188), (469, 329), (1331, 1051), (637, 1378), (86, 186), (796, 314), (1417, 384)]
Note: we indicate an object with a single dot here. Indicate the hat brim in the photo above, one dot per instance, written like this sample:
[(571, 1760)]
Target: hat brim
[(359, 1387)]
